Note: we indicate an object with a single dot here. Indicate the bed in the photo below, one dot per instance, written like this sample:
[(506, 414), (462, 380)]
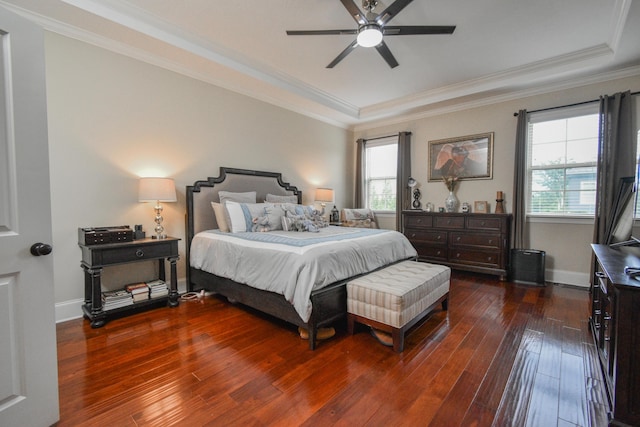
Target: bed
[(314, 266)]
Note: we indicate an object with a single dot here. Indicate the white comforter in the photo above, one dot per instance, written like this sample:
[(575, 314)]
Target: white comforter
[(295, 263)]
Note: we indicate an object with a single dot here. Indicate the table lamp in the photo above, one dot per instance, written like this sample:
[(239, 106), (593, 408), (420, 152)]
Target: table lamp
[(157, 190), (324, 195)]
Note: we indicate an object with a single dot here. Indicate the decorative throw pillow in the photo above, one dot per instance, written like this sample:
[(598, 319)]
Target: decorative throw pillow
[(298, 223), (273, 198), (274, 214), (295, 209), (361, 218), (240, 215), (221, 219)]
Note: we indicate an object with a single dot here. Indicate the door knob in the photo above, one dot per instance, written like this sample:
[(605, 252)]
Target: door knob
[(38, 249)]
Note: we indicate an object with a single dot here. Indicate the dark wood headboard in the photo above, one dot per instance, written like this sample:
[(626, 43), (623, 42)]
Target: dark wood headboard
[(200, 215)]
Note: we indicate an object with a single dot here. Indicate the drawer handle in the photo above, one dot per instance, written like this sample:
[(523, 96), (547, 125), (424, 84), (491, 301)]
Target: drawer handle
[(139, 253), (413, 234), (482, 223), (439, 238), (597, 312), (599, 274), (607, 317), (490, 258), (491, 241), (419, 220), (458, 239)]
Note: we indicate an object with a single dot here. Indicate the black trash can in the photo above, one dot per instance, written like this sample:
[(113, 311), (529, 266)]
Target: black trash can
[(527, 266)]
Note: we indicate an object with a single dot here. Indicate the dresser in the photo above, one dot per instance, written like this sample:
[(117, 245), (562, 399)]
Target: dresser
[(615, 316), (463, 241)]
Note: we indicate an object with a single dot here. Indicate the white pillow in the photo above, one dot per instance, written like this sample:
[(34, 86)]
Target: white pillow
[(221, 219), (228, 196), (240, 215)]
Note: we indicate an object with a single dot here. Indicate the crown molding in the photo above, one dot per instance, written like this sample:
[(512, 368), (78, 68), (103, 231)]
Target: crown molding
[(496, 99)]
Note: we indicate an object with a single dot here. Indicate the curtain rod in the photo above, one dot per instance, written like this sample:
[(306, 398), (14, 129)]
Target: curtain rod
[(383, 137), (568, 105)]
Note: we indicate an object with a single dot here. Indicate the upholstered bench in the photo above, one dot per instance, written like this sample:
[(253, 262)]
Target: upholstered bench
[(395, 298)]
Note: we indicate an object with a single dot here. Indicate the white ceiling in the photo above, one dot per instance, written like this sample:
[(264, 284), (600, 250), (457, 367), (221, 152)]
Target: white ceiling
[(499, 50)]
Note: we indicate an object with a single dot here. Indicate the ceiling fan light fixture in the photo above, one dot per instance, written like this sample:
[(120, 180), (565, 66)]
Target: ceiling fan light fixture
[(369, 35)]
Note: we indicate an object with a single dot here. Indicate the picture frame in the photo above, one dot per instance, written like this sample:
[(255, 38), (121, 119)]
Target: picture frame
[(464, 157), (480, 207)]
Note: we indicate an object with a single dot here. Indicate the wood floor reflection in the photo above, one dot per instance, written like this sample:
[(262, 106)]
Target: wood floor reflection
[(503, 355)]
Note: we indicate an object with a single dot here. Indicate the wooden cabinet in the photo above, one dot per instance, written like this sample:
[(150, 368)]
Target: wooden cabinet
[(614, 322), (463, 241), (97, 257)]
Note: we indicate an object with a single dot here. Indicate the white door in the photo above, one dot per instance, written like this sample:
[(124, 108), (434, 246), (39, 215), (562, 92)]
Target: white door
[(28, 360)]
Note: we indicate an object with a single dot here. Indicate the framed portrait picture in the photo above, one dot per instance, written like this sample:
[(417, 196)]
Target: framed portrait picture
[(480, 207), (465, 157)]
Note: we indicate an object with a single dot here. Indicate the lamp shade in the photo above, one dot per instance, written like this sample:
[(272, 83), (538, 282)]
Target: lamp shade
[(324, 195), (157, 190)]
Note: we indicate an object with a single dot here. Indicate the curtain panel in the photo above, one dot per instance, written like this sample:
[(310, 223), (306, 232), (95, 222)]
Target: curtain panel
[(359, 191), (519, 180), (403, 198), (616, 156)]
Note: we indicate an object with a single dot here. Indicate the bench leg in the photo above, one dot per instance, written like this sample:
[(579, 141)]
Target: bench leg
[(398, 339), (350, 324), (445, 304)]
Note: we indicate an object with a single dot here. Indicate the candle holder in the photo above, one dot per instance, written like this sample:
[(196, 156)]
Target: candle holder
[(499, 202)]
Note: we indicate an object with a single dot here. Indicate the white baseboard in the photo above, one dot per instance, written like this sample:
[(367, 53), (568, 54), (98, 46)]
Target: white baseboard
[(568, 278), (72, 309), (69, 310)]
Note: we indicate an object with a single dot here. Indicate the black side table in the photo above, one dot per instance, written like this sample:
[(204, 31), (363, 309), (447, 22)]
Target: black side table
[(96, 257)]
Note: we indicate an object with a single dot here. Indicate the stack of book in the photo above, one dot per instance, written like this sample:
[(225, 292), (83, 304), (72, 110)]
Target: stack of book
[(138, 291), (158, 288), (115, 299)]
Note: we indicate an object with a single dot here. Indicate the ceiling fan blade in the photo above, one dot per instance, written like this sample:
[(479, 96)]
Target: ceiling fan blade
[(383, 49), (405, 30), (355, 12), (343, 54), (391, 11), (320, 32)]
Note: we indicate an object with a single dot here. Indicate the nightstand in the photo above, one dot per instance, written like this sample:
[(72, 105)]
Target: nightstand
[(97, 257)]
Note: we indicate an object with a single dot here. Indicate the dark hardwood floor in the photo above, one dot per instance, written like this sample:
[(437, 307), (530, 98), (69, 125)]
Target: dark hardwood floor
[(503, 355)]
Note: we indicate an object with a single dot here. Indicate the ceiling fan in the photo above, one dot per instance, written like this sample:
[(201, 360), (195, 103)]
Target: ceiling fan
[(372, 28)]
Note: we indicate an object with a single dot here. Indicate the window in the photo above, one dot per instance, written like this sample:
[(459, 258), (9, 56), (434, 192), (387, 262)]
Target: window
[(561, 161), (381, 162)]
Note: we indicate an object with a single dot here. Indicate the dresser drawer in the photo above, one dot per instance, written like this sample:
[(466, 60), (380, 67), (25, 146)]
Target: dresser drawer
[(484, 240), (449, 222), (434, 236), (431, 252), (132, 253), (418, 221), (484, 223), (482, 258)]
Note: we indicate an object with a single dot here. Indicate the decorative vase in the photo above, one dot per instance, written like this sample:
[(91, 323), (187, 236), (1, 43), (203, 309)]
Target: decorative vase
[(451, 202)]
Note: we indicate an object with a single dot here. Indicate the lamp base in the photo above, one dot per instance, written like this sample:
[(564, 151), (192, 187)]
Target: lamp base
[(159, 236)]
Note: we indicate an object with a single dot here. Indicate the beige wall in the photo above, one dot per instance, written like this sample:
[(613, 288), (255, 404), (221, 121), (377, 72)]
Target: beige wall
[(113, 119), (566, 245)]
